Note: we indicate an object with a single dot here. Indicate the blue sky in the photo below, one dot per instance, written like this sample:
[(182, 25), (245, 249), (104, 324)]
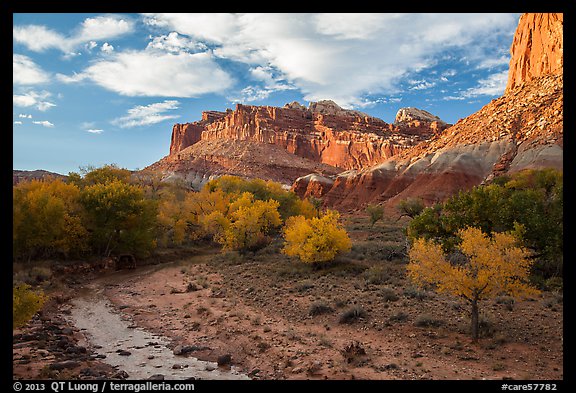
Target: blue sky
[(92, 89)]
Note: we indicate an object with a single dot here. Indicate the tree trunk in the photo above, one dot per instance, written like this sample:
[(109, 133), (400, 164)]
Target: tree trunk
[(475, 320)]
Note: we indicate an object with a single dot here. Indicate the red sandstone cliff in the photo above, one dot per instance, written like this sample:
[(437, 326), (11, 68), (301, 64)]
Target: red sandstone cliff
[(322, 133), (537, 48), (522, 129)]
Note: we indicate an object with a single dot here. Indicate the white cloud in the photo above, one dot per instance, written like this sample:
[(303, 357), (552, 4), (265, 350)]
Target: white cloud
[(250, 94), (74, 78), (103, 27), (493, 62), (343, 56), (33, 99), (143, 115), (26, 72), (95, 131), (156, 73), (493, 85), (44, 123), (173, 42), (40, 38), (421, 84), (17, 122), (106, 48), (216, 27), (24, 116)]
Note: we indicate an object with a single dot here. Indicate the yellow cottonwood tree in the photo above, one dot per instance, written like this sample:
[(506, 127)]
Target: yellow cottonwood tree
[(46, 219), (250, 225), (316, 240), (494, 265)]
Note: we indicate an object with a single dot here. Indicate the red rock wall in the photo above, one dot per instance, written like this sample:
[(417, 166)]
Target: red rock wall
[(347, 140), (184, 135), (537, 48)]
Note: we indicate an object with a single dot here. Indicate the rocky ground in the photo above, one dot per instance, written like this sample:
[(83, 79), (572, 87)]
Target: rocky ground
[(50, 348), (275, 318)]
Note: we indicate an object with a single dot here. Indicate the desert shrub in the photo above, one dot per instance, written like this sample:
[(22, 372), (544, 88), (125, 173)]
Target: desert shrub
[(316, 240), (376, 275), (427, 320), (389, 295), (415, 293), (399, 316), (319, 308), (25, 303), (352, 314), (375, 212)]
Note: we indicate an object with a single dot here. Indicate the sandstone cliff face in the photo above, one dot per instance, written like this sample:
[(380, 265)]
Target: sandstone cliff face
[(521, 130), (324, 132), (537, 48)]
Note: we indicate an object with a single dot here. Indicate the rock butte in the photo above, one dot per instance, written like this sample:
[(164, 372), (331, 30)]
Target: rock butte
[(349, 159), (285, 143)]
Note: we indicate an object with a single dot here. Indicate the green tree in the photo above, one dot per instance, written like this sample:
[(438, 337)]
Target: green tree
[(90, 175), (411, 207), (532, 198), (119, 217)]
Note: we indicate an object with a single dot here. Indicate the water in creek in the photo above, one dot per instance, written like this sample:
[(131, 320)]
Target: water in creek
[(138, 352)]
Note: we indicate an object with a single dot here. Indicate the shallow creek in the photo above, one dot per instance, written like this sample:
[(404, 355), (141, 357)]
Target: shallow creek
[(140, 353)]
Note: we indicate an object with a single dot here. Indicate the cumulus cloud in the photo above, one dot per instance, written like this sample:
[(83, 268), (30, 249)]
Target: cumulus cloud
[(44, 123), (26, 72), (40, 38), (156, 73), (17, 122), (95, 130), (143, 115), (106, 48), (34, 99), (176, 43), (24, 116), (342, 56)]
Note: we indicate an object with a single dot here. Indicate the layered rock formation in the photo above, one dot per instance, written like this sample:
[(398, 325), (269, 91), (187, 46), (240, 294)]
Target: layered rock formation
[(324, 132), (324, 138), (523, 129), (515, 132)]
